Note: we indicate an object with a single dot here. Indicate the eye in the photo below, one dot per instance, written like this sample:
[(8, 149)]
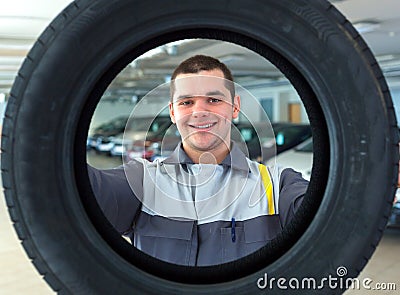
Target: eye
[(185, 102), (214, 100)]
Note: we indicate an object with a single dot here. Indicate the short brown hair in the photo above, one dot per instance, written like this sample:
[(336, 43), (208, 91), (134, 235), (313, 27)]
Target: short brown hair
[(200, 63)]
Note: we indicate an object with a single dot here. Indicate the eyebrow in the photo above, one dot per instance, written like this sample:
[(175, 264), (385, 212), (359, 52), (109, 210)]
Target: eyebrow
[(211, 93)]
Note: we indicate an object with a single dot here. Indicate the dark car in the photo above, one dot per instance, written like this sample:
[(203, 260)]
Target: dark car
[(141, 133), (263, 144), (164, 144), (134, 128), (101, 134)]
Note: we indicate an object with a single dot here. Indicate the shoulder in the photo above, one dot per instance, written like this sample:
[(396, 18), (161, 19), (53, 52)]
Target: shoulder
[(117, 174), (281, 176), (289, 181), (288, 176)]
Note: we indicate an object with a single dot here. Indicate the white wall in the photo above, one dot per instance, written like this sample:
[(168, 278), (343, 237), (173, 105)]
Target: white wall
[(282, 96)]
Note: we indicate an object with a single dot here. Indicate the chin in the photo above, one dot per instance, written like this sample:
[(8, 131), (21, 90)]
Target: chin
[(201, 145)]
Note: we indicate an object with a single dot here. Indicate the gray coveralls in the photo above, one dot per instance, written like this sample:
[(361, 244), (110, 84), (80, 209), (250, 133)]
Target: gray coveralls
[(198, 214)]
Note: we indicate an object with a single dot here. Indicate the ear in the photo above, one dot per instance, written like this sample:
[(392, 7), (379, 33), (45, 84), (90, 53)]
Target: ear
[(171, 112), (236, 106)]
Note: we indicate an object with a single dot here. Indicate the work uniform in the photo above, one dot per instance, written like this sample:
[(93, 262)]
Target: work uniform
[(198, 214)]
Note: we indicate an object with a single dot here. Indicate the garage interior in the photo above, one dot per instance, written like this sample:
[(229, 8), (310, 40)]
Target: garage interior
[(22, 21)]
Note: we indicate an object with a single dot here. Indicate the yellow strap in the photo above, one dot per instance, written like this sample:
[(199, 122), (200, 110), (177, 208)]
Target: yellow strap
[(268, 188)]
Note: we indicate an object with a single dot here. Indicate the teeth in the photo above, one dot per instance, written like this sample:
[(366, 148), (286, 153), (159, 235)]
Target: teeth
[(203, 126)]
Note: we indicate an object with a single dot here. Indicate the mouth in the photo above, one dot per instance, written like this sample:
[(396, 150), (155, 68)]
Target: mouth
[(203, 126)]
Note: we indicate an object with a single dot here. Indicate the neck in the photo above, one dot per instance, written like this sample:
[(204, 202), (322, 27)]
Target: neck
[(215, 156)]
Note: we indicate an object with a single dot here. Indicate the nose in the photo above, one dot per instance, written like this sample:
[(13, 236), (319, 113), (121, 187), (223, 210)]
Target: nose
[(200, 108)]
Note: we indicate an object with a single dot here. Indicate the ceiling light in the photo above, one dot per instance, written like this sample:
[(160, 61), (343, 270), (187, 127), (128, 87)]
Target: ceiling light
[(6, 82), (366, 26), (15, 46), (11, 60), (386, 57), (151, 53), (231, 58), (169, 48)]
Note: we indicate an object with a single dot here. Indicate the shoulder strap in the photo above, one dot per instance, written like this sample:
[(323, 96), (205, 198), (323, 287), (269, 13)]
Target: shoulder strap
[(269, 191)]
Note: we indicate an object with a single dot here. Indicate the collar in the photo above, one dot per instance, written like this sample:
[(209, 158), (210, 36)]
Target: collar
[(235, 159)]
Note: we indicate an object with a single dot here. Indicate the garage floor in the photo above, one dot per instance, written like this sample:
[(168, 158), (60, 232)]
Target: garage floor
[(18, 275)]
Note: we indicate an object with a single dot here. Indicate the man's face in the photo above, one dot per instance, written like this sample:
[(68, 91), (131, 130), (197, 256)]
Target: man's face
[(202, 109)]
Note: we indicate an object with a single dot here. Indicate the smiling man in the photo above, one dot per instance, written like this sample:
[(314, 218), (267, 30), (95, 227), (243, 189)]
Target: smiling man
[(207, 203), (203, 107)]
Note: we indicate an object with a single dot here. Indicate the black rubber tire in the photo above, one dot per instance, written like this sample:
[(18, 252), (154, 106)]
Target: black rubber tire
[(54, 96)]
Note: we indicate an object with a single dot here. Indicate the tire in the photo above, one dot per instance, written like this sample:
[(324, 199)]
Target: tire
[(344, 92)]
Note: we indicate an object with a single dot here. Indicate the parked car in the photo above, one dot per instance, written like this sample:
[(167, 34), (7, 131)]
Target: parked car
[(140, 133), (136, 129), (163, 147), (106, 130), (104, 144), (155, 145), (264, 146), (139, 150), (394, 219), (300, 158), (117, 148)]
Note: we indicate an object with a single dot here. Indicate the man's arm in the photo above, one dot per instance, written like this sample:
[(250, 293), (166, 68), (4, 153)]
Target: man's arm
[(292, 188), (115, 196)]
